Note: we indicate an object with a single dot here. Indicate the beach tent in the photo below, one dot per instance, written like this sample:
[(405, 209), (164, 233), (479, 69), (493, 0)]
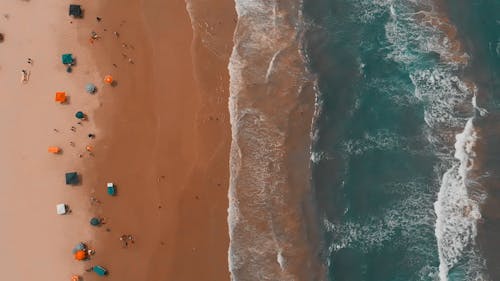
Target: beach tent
[(67, 59), (91, 88), (111, 189), (80, 255), (75, 11), (101, 271), (95, 221), (54, 149), (61, 209), (60, 97), (72, 178), (79, 115)]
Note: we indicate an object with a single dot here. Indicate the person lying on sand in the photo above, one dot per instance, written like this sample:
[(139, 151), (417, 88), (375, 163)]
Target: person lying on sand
[(25, 76)]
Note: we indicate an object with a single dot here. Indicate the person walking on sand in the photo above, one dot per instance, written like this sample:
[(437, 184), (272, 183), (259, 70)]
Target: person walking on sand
[(24, 76)]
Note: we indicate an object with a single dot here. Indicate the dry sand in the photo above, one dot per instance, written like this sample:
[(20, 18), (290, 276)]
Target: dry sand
[(35, 242), (163, 137)]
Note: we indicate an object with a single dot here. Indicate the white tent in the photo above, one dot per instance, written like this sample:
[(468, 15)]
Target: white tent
[(61, 209)]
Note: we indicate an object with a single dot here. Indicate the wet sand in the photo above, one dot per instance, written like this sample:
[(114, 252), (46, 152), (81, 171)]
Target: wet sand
[(163, 138), (165, 142)]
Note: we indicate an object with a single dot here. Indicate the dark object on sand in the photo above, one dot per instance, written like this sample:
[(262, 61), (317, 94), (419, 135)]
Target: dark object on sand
[(67, 59), (80, 115), (101, 271), (95, 221), (75, 11), (1, 37), (111, 189), (91, 88), (72, 178)]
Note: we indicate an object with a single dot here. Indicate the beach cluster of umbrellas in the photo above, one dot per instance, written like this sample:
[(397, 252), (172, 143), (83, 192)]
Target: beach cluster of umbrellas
[(81, 251)]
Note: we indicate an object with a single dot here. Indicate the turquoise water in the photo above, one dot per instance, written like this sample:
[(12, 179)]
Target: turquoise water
[(392, 141)]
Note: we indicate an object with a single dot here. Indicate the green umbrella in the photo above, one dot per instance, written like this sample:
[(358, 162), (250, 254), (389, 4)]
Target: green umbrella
[(80, 115), (91, 88), (95, 221)]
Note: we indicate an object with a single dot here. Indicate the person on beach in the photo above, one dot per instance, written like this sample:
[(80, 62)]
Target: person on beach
[(30, 61), (24, 76), (124, 240)]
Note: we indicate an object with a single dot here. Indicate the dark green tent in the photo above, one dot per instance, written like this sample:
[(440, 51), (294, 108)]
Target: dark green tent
[(75, 11), (67, 59), (72, 178)]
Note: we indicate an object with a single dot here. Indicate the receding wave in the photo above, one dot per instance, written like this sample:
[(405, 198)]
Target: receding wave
[(273, 227)]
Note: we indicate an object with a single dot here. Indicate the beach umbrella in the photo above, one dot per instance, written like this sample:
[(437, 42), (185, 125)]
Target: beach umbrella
[(75, 278), (108, 79), (80, 255), (60, 97), (95, 221), (91, 88), (71, 178), (81, 246), (79, 115)]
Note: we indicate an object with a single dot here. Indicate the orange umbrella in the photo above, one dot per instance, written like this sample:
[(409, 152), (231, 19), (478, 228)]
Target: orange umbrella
[(75, 278), (80, 255), (54, 149), (108, 79), (89, 148), (61, 97)]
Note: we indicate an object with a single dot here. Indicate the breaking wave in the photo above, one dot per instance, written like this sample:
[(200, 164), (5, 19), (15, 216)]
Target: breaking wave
[(273, 228)]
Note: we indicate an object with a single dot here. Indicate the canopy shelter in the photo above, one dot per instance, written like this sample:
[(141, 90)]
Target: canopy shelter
[(90, 88), (75, 11), (67, 59), (61, 97), (62, 209), (101, 271), (72, 178), (111, 189), (95, 221)]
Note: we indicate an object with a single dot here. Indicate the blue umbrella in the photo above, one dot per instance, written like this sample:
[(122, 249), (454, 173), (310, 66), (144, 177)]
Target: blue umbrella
[(91, 88)]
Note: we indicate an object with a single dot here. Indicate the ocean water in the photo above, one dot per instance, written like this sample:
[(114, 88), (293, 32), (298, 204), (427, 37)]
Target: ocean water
[(403, 170)]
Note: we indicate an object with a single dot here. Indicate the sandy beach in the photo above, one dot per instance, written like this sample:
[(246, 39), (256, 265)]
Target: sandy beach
[(162, 136)]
